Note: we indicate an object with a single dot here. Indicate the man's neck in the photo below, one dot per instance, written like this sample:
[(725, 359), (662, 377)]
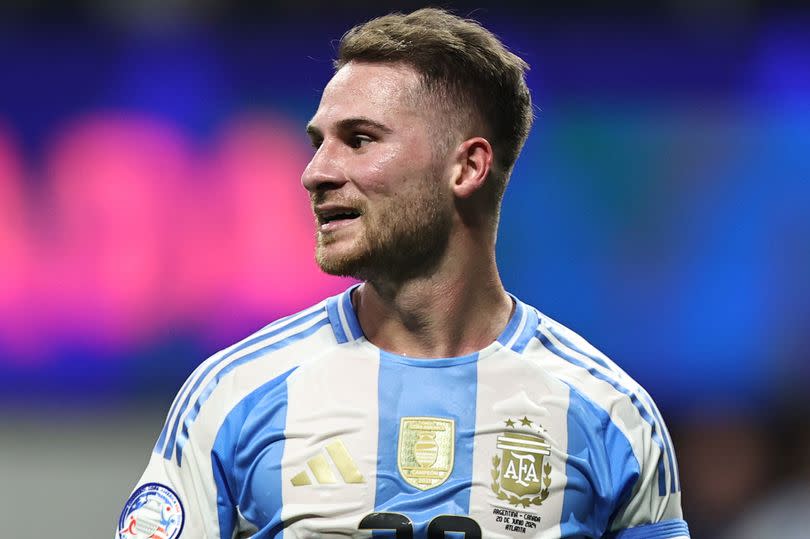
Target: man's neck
[(456, 311)]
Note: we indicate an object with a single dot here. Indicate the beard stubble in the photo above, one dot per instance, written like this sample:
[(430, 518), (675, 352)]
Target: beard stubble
[(402, 238)]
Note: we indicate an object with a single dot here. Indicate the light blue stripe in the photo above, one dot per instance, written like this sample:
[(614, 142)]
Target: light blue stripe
[(675, 486), (528, 331), (334, 318), (514, 321), (569, 344), (662, 487), (600, 470), (446, 389), (660, 530), (348, 310), (162, 438), (246, 460), (182, 437), (281, 327)]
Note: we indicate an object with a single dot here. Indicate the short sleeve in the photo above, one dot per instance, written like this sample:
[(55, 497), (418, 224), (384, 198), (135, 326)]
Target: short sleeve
[(180, 494), (653, 509)]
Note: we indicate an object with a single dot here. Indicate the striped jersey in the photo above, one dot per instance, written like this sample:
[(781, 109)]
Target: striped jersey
[(306, 429)]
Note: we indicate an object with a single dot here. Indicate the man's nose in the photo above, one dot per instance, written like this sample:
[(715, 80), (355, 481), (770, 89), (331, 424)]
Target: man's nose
[(324, 170)]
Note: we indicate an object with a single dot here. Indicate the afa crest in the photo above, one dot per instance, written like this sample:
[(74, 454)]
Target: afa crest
[(521, 472), (425, 451)]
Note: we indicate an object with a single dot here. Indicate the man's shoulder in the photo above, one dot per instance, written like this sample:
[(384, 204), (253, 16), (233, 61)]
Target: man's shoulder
[(605, 395), (268, 353), (562, 341), (254, 365), (300, 328), (588, 372)]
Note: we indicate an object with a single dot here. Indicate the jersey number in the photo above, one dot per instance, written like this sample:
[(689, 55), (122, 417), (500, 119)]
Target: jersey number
[(403, 526)]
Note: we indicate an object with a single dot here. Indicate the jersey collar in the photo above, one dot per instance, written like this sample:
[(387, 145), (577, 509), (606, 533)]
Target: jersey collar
[(519, 330)]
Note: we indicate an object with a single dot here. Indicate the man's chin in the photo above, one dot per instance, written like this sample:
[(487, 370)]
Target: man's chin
[(340, 264)]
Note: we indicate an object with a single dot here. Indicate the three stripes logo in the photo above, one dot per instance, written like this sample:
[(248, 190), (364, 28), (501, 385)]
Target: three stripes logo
[(322, 471)]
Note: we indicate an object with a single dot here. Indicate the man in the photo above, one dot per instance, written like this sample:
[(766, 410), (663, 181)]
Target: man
[(425, 400)]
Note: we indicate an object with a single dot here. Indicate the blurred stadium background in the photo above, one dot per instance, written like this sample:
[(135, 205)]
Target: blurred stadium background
[(151, 213)]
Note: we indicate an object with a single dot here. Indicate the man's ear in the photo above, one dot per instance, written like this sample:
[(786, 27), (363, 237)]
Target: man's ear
[(473, 162)]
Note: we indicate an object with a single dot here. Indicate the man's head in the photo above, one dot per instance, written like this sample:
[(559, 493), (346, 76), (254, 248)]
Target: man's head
[(468, 77), (426, 113)]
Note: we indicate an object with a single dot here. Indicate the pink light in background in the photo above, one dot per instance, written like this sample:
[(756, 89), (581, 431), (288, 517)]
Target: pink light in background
[(138, 232), (16, 256), (247, 243), (113, 184)]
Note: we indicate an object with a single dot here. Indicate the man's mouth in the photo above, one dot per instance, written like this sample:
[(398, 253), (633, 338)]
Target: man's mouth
[(333, 217)]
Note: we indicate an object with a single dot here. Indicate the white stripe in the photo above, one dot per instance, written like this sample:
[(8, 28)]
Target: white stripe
[(524, 317), (344, 320), (531, 388), (333, 398)]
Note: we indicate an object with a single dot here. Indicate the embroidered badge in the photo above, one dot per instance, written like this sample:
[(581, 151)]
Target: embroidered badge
[(152, 512), (425, 450), (521, 474)]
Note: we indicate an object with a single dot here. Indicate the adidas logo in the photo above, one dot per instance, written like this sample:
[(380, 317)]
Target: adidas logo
[(322, 471)]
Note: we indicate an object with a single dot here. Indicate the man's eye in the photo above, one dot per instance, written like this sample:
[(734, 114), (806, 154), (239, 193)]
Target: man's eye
[(358, 141), (316, 143)]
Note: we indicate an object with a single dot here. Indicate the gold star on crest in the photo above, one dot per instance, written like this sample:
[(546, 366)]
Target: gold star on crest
[(526, 422), (510, 423)]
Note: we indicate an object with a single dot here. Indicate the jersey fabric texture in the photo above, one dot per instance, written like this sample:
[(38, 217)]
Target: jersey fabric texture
[(306, 429)]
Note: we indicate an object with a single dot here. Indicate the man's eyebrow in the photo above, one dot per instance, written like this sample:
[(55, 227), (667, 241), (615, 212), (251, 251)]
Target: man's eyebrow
[(354, 123), (348, 124), (313, 131)]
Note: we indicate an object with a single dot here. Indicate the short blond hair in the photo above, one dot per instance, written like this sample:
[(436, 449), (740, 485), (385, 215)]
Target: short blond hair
[(463, 66)]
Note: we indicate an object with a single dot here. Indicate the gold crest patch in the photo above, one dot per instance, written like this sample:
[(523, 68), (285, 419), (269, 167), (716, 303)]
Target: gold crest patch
[(521, 474), (425, 451)]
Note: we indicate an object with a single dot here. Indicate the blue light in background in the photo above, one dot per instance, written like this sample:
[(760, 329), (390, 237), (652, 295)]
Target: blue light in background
[(669, 226)]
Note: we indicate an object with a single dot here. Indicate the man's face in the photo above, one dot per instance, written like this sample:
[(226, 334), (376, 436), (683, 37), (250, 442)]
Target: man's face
[(378, 179)]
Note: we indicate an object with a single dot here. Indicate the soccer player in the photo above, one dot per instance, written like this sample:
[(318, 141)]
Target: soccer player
[(426, 400)]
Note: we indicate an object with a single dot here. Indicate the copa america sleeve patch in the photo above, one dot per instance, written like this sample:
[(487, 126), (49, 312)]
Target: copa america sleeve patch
[(152, 512)]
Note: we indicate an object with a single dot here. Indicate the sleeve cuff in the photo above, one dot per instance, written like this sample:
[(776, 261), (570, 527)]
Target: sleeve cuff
[(668, 529)]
